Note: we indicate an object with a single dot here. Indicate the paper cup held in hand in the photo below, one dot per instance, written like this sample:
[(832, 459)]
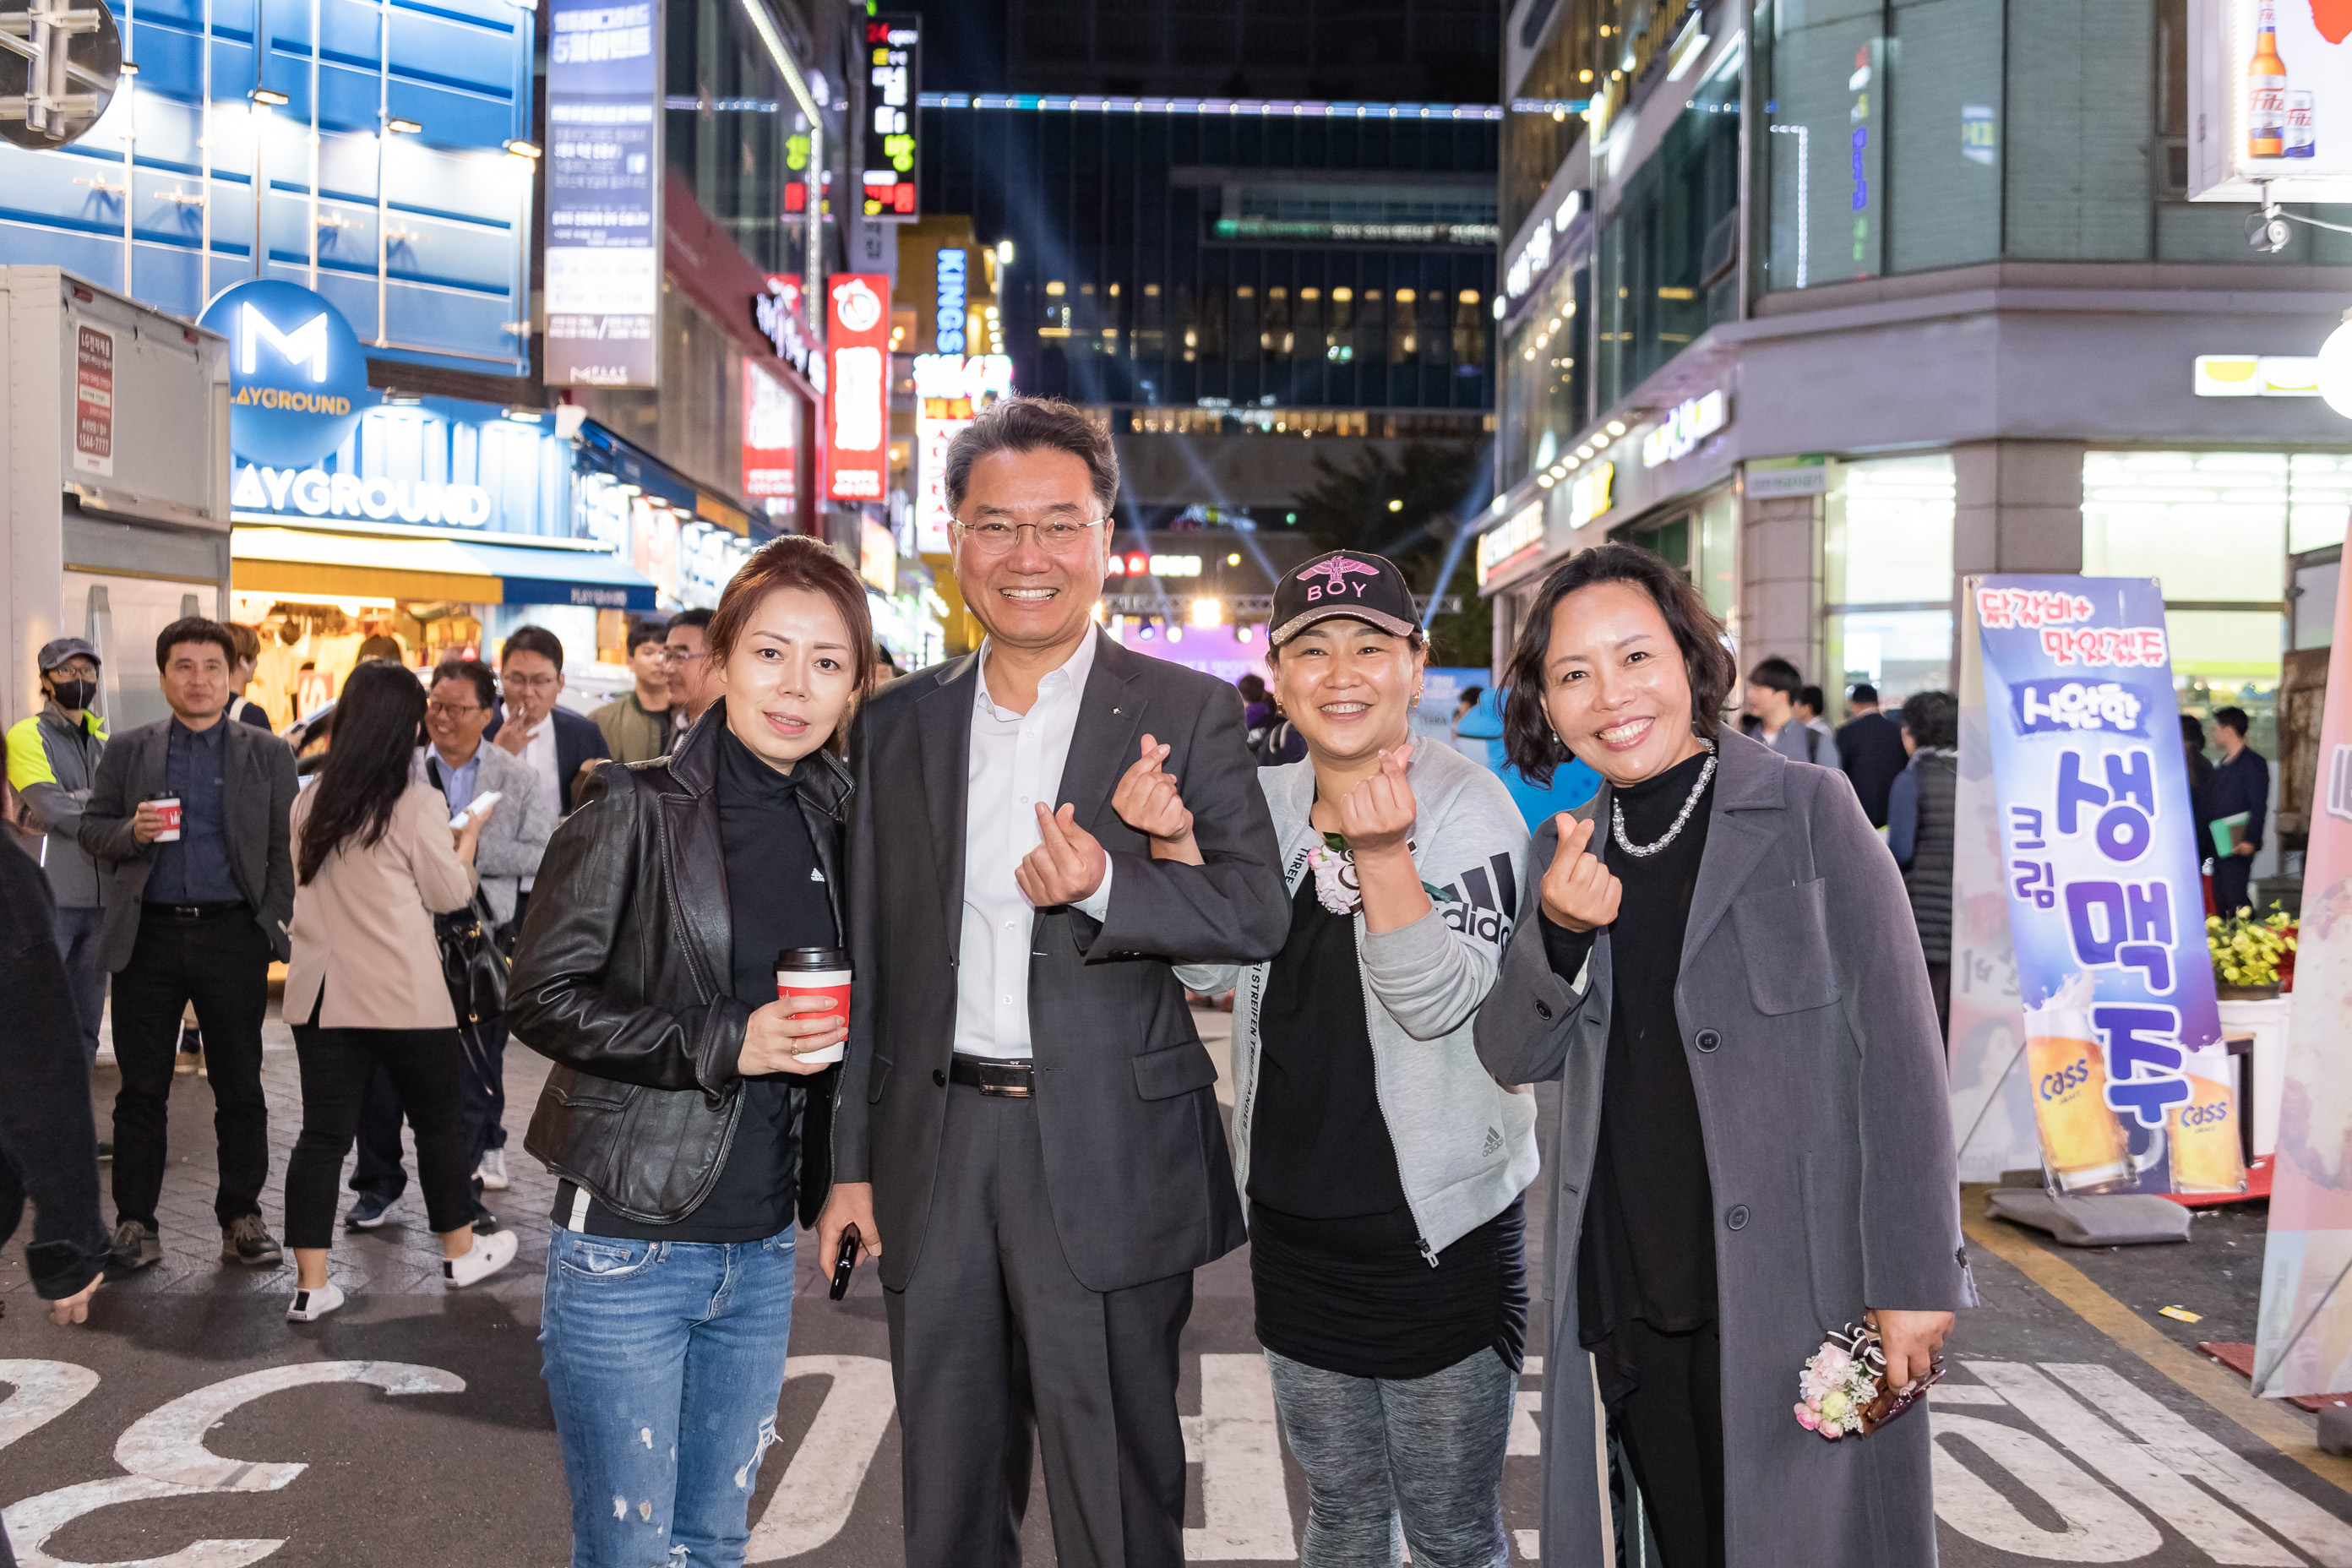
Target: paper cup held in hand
[(815, 972), (168, 807)]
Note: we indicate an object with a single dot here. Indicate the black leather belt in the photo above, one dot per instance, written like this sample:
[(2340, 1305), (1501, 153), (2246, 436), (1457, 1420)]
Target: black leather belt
[(193, 911), (1009, 1080)]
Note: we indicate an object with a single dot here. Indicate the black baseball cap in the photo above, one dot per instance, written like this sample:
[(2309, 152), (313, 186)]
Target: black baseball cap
[(1356, 584)]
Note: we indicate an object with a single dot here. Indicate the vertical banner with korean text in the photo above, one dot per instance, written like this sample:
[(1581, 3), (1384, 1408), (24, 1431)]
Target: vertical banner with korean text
[(2304, 1342), (858, 387), (603, 271), (2132, 1090)]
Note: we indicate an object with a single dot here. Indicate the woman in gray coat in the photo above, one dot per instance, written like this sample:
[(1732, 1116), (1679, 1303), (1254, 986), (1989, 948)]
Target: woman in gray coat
[(1719, 966)]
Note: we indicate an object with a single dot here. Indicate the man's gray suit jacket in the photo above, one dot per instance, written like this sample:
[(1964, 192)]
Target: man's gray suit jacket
[(1136, 1161)]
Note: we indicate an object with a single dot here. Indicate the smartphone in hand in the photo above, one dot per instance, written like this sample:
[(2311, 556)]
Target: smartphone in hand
[(480, 808), (847, 1262)]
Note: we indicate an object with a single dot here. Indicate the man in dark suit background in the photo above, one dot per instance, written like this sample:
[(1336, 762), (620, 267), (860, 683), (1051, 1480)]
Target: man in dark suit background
[(196, 918), (1026, 1108), (1869, 750), (559, 746), (2240, 782)]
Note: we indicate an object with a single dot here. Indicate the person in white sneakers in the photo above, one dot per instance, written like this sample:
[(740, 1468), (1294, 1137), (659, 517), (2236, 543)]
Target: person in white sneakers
[(375, 859)]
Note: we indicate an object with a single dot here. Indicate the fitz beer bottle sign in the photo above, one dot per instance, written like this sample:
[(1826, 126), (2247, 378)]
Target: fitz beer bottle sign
[(2132, 1089), (2266, 89), (857, 387)]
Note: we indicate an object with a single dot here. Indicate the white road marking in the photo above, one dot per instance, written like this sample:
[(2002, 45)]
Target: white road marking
[(820, 1486), (2212, 1464), (45, 1391), (164, 1452), (1526, 1432), (1238, 1443), (2136, 1469), (2099, 1527)]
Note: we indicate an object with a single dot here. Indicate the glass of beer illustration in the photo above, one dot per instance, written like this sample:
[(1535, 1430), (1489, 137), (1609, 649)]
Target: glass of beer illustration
[(2083, 1146), (2204, 1139)]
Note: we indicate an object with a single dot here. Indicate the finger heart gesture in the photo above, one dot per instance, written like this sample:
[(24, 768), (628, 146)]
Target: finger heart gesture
[(1378, 814), (1147, 798)]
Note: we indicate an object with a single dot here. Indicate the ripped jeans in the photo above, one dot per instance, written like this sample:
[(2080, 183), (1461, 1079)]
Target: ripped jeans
[(663, 1361)]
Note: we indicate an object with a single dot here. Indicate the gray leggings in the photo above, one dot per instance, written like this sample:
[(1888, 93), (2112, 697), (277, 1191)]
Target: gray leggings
[(1429, 1449)]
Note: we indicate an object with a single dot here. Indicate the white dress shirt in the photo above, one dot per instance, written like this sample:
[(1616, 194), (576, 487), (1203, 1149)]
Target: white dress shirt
[(539, 755), (1016, 761)]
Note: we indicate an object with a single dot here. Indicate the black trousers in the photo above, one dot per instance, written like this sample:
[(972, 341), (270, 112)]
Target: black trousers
[(220, 963), (481, 1093), (1670, 1424), (337, 1066), (995, 1345), (2233, 878)]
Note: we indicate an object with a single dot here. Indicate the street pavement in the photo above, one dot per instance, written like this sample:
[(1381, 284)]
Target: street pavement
[(189, 1424)]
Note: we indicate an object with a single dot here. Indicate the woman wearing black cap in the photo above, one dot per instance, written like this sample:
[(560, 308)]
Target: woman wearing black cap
[(1382, 1165)]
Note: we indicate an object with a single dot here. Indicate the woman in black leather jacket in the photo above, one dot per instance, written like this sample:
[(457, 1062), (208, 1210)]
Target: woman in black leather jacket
[(682, 1118)]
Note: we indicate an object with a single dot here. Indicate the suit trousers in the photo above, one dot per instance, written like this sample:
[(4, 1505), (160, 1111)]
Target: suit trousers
[(481, 1095), (220, 963), (994, 1345), (337, 1066)]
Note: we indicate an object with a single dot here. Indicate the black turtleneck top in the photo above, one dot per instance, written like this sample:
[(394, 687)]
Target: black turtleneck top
[(1647, 1248)]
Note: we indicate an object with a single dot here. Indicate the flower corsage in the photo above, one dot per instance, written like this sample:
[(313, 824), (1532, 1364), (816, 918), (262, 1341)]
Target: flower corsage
[(1336, 887), (1843, 1388)]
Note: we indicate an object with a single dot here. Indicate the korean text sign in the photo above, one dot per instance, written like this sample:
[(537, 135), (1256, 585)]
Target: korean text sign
[(857, 387), (602, 267), (2132, 1090)]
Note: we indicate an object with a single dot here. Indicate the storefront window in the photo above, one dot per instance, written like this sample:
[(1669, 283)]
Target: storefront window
[(1699, 543), (1887, 570), (2214, 527), (1543, 405), (1669, 258)]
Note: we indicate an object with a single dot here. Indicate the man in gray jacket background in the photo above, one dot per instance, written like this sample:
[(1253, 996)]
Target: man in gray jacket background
[(52, 761), (1026, 1114)]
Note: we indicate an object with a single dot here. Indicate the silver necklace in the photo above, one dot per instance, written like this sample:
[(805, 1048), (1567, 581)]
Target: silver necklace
[(1643, 851)]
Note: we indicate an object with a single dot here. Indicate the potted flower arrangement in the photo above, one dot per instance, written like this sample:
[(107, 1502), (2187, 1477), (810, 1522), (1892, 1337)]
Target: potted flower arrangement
[(2252, 954)]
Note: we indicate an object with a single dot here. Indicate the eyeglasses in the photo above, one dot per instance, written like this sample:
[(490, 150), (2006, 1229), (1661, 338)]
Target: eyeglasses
[(1058, 536), (678, 656), (453, 711), (531, 682)]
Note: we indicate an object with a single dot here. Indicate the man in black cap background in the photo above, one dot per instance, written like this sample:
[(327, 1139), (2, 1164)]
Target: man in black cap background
[(52, 763)]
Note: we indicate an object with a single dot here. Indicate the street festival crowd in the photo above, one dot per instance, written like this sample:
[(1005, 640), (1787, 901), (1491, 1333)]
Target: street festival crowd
[(908, 963)]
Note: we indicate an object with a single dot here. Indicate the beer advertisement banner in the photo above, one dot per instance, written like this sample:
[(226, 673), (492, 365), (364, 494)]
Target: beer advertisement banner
[(2131, 1087), (2304, 1342), (2270, 99), (603, 269)]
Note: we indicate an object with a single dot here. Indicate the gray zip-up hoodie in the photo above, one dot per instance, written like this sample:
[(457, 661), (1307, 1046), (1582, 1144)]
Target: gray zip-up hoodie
[(1466, 1145)]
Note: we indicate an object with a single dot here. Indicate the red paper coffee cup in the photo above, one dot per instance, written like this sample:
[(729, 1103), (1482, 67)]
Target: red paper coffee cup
[(815, 972), (169, 806)]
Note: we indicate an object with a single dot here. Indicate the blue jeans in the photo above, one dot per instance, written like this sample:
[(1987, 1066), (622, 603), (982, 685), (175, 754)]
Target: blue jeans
[(78, 942), (663, 1361)]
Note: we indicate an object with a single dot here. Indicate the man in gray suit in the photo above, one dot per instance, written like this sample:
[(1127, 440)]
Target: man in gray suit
[(1026, 1108), (195, 909)]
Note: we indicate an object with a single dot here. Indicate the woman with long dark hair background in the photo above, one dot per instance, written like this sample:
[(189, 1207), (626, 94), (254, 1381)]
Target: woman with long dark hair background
[(374, 860)]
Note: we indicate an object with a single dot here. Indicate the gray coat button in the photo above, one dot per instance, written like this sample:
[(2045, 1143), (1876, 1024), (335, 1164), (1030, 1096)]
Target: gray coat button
[(1707, 1039), (1543, 1011), (1738, 1217)]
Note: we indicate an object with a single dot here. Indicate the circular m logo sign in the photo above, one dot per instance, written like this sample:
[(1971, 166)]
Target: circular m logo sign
[(298, 377)]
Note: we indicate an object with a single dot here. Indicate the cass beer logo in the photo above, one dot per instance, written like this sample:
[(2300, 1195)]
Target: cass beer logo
[(1339, 569)]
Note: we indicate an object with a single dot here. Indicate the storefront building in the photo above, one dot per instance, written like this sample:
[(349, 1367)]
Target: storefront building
[(1835, 313)]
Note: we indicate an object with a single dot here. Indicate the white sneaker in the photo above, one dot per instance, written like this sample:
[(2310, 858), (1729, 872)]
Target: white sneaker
[(490, 1254), (309, 1306), (493, 1169)]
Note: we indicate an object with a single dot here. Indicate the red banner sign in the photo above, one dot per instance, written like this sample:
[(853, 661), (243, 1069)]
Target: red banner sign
[(857, 387)]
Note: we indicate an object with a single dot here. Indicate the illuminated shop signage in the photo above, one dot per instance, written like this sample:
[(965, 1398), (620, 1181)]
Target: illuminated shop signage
[(1591, 495), (1503, 545), (603, 264), (1140, 565), (772, 427), (857, 395), (313, 493), (778, 312), (948, 320), (948, 390), (2257, 375), (1691, 421), (886, 170), (297, 375), (1535, 257)]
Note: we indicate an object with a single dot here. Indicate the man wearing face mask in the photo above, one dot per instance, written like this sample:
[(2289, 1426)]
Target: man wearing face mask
[(52, 760)]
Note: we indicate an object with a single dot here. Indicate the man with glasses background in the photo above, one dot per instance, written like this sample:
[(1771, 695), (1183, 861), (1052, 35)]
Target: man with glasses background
[(457, 709), (1025, 1115), (693, 684)]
